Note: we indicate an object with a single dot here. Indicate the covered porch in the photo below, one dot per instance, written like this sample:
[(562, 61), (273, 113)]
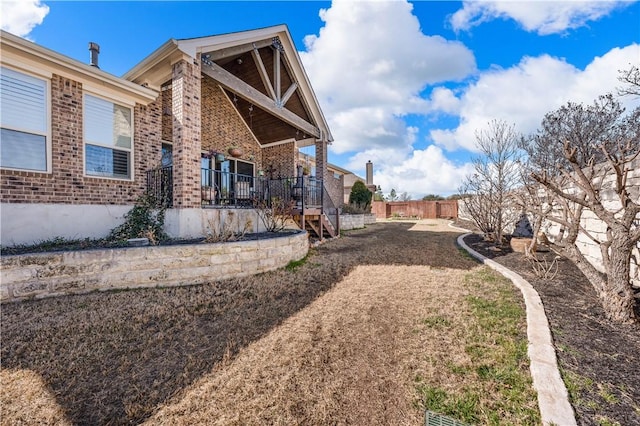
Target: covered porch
[(236, 110)]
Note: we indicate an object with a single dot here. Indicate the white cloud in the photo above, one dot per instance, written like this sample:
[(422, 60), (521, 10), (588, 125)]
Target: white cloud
[(20, 17), (424, 172), (524, 93), (367, 77), (543, 17), (444, 100)]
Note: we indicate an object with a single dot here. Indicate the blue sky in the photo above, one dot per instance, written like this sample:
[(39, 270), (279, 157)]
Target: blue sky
[(404, 84)]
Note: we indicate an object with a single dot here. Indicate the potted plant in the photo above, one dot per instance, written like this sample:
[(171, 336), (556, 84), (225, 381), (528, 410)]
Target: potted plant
[(208, 194), (217, 155), (235, 151)]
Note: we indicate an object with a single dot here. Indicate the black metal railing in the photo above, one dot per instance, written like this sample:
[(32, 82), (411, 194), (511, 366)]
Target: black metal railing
[(331, 211), (226, 189), (160, 185), (221, 188)]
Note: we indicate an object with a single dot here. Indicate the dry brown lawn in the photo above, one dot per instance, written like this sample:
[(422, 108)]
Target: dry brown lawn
[(345, 338)]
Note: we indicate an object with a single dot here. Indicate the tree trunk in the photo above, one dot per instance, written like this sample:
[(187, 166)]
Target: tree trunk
[(617, 295)]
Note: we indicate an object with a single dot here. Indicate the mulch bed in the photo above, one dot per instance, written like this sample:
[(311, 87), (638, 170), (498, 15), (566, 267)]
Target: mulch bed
[(599, 361), (57, 245)]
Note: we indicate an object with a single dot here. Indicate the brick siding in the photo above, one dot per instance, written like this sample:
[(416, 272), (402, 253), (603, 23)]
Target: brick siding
[(186, 96), (167, 114), (66, 184), (222, 127), (280, 159)]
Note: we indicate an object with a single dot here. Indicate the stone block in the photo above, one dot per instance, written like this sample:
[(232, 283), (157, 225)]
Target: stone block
[(30, 288)]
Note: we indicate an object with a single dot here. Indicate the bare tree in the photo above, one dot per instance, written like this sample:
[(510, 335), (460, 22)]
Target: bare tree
[(597, 148), (405, 196), (631, 80), (489, 190)]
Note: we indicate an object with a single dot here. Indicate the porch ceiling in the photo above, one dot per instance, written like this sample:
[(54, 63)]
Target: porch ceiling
[(259, 83)]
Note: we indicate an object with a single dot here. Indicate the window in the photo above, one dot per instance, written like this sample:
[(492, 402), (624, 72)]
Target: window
[(108, 138), (24, 118), (167, 155)]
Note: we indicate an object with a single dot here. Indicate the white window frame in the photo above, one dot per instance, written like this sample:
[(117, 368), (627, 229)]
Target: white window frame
[(130, 150), (46, 133)]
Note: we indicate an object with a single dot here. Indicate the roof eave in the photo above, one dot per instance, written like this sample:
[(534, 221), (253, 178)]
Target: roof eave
[(58, 59)]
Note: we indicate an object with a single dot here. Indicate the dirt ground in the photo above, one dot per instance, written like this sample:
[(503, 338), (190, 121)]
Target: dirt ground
[(341, 339), (599, 361)]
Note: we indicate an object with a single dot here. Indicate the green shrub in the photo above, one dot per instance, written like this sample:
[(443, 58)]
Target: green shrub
[(144, 220), (360, 195)]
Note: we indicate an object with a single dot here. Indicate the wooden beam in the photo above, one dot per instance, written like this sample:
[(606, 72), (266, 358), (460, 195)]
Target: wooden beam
[(276, 75), (263, 72), (236, 50), (288, 94), (251, 94)]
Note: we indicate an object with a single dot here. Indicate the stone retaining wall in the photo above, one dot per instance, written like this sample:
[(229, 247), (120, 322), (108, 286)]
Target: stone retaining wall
[(73, 272), (351, 221)]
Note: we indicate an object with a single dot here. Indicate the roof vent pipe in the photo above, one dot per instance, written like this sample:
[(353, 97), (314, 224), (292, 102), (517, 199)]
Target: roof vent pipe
[(94, 48)]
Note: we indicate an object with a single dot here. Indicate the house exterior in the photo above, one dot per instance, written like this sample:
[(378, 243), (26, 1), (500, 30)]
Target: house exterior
[(79, 146), (344, 179)]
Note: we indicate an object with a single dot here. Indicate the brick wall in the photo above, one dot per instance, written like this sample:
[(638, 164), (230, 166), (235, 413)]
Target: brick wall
[(281, 159), (335, 189), (415, 208), (167, 114), (66, 184), (186, 96), (222, 127)]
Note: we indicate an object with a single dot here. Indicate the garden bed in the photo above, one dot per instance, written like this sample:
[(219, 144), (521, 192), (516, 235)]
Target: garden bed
[(184, 262), (598, 360)]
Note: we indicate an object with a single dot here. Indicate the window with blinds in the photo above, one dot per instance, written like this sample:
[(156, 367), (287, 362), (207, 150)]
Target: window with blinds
[(108, 138), (24, 121)]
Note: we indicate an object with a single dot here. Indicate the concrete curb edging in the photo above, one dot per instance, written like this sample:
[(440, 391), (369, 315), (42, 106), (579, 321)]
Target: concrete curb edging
[(553, 398)]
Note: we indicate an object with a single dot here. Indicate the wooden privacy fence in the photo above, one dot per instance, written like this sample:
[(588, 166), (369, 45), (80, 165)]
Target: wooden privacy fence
[(421, 209)]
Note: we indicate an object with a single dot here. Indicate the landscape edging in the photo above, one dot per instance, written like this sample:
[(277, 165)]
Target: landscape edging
[(553, 398)]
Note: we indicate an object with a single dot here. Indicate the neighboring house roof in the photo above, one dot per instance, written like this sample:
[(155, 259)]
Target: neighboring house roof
[(338, 169), (223, 57), (30, 57)]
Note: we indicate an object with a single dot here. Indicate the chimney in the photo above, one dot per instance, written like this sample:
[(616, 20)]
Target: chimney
[(369, 173), (95, 50)]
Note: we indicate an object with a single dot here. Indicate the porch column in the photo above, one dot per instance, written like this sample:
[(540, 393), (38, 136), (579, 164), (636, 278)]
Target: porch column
[(321, 160), (186, 133)]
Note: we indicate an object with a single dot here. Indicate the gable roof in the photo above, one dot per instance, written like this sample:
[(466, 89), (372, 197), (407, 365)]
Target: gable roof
[(219, 51)]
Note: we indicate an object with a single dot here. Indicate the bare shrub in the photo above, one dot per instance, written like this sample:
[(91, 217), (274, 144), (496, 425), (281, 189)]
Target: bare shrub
[(225, 228), (488, 191), (541, 266), (275, 214)]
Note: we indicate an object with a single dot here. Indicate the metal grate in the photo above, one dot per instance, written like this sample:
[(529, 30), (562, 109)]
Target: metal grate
[(435, 419)]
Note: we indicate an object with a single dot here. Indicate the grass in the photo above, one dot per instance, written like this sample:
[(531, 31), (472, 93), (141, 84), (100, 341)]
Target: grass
[(295, 264), (437, 321), (495, 362), (358, 332), (466, 254)]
